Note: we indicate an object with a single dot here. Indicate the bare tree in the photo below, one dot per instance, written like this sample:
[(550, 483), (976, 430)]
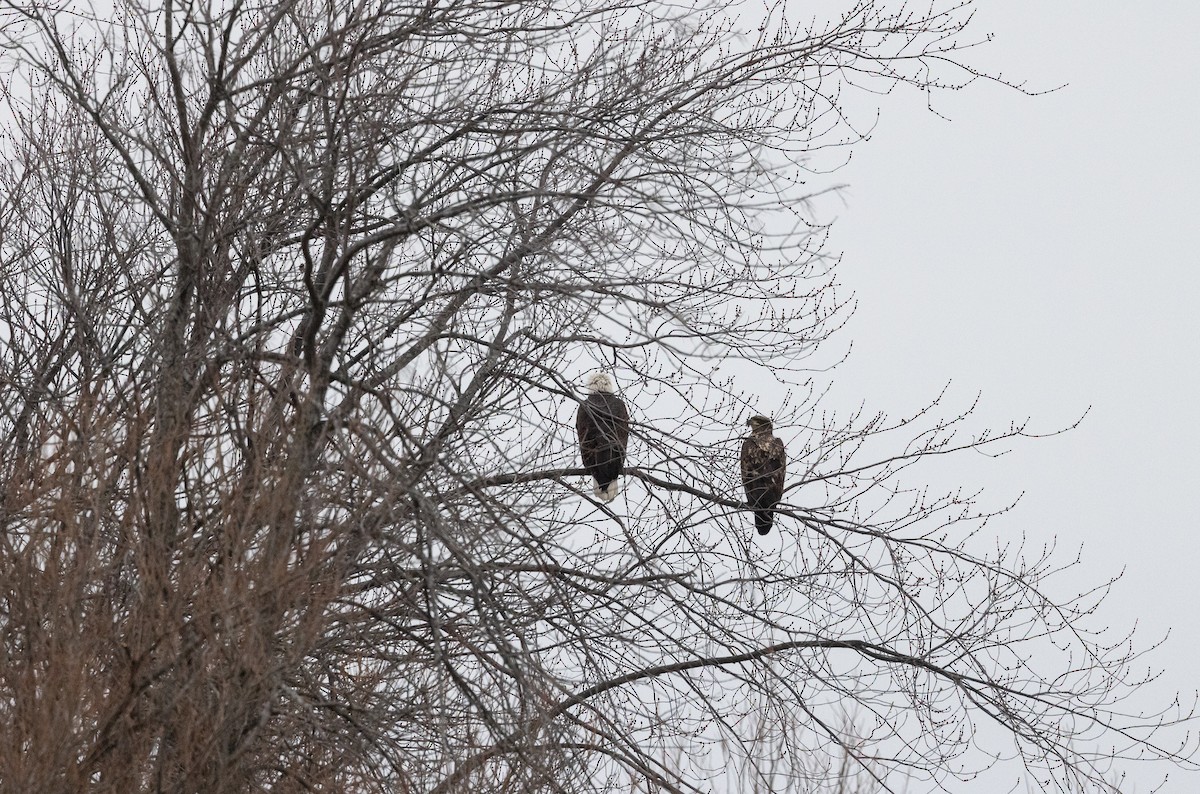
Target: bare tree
[(294, 300)]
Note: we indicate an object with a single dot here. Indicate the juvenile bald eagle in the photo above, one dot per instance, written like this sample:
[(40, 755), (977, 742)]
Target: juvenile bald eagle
[(764, 463), (603, 426)]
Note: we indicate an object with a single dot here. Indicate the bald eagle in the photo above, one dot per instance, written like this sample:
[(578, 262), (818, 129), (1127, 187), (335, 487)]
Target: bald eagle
[(603, 426), (764, 462)]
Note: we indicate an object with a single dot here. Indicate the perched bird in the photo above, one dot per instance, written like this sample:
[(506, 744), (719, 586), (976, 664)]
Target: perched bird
[(603, 426), (764, 463)]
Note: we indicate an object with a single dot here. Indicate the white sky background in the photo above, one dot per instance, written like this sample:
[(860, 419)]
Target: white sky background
[(1043, 251)]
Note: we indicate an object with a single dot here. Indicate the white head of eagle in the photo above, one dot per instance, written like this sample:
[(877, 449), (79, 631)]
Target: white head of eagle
[(601, 383), (602, 422)]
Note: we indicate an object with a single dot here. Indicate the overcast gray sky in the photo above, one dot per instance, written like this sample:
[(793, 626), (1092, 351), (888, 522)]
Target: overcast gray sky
[(1043, 251)]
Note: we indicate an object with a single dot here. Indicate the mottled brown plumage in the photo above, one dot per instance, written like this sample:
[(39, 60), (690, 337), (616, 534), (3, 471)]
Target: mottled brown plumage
[(764, 466)]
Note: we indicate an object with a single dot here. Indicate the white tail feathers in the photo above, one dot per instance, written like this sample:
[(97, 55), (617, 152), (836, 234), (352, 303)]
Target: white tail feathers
[(606, 494)]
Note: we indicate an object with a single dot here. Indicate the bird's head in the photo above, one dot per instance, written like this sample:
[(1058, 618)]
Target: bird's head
[(759, 424), (601, 383)]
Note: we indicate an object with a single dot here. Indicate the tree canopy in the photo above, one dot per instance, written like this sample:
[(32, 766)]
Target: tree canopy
[(296, 297)]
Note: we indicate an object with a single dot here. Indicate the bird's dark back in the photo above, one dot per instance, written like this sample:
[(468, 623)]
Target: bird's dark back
[(609, 419), (763, 463)]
